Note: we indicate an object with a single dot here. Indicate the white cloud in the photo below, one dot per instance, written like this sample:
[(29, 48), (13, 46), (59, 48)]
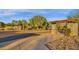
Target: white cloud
[(9, 12), (55, 18), (6, 13), (37, 11)]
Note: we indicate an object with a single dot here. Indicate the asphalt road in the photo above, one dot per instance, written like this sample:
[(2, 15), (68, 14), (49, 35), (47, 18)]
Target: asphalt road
[(39, 43), (11, 38)]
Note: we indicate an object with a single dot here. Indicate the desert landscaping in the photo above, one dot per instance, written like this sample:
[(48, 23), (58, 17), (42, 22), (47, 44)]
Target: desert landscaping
[(40, 34)]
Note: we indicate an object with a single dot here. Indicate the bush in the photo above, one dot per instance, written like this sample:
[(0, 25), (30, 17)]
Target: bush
[(64, 30)]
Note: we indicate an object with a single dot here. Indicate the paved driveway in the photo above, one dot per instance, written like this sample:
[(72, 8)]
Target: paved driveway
[(41, 43)]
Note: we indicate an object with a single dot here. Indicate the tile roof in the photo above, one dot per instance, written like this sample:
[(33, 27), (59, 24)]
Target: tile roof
[(64, 21)]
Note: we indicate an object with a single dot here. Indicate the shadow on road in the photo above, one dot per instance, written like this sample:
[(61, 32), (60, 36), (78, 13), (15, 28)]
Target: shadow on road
[(18, 36)]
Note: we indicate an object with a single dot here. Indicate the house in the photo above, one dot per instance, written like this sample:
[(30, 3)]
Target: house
[(16, 28), (71, 24)]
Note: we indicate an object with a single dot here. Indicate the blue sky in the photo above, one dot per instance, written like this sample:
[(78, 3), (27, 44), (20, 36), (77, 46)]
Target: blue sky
[(7, 15)]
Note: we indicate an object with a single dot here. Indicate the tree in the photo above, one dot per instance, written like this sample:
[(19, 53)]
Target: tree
[(8, 24), (14, 22), (23, 24), (49, 26), (38, 22), (2, 24), (74, 16)]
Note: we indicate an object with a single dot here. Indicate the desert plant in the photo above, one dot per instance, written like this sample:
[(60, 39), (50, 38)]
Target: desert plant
[(64, 30), (38, 22)]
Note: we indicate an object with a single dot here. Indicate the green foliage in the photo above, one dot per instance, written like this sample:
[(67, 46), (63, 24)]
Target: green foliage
[(69, 17), (22, 23), (2, 24), (38, 22), (65, 30), (74, 16), (14, 22), (49, 26), (9, 24)]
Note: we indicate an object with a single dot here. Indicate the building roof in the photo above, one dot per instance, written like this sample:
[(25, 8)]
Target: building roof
[(63, 21)]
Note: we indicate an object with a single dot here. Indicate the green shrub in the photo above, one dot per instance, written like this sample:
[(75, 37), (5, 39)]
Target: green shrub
[(64, 30)]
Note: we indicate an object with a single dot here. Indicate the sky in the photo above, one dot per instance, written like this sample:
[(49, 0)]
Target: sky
[(7, 15)]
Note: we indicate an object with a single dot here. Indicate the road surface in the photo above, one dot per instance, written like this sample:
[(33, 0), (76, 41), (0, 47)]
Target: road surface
[(41, 43), (37, 42)]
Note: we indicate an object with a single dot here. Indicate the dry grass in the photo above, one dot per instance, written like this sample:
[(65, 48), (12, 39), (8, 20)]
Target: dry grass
[(64, 43)]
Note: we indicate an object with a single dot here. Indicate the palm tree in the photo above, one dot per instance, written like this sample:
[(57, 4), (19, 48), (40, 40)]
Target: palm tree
[(14, 24), (2, 25), (22, 23)]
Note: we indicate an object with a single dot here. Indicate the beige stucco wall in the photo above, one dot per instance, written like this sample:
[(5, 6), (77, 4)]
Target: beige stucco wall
[(74, 28)]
